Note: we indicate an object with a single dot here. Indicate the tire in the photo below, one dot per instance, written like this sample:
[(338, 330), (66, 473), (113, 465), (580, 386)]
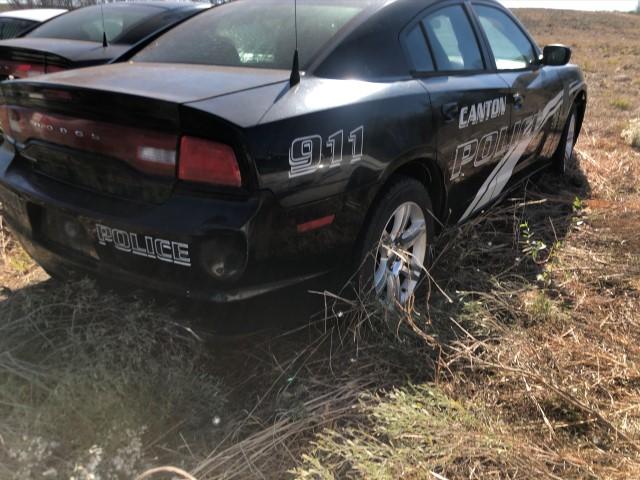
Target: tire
[(401, 221), (563, 159)]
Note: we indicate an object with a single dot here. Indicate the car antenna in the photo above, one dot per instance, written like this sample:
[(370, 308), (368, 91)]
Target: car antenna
[(105, 44), (295, 70)]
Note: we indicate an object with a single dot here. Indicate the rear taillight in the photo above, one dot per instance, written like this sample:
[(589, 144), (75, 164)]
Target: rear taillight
[(149, 151), (24, 70), (204, 161)]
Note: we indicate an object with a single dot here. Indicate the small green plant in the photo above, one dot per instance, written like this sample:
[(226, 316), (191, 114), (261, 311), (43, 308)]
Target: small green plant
[(530, 246), (578, 204), (541, 309), (20, 261), (631, 134), (621, 104)]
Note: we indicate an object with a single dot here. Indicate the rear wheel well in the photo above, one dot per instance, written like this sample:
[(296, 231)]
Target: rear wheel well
[(426, 172), (581, 107), (429, 174)]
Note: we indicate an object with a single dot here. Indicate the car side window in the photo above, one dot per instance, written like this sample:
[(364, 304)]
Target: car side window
[(452, 40), (511, 48), (418, 49)]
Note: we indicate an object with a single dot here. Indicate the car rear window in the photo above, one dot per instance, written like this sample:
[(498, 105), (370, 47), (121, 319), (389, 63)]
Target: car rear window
[(86, 23), (253, 34), (11, 27)]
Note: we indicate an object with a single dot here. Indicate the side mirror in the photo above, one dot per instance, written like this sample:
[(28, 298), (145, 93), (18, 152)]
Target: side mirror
[(556, 55)]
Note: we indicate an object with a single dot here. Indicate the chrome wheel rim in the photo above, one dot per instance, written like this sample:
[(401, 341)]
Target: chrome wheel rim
[(401, 254), (571, 137)]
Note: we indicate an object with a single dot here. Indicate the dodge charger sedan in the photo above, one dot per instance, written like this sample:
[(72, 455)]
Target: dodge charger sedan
[(232, 157), (89, 36)]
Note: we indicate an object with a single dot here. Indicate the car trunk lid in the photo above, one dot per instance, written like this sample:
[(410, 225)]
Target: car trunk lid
[(179, 83), (28, 57), (114, 130)]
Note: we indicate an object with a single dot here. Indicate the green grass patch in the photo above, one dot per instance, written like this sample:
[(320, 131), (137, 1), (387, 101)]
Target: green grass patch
[(20, 261), (415, 430), (622, 104)]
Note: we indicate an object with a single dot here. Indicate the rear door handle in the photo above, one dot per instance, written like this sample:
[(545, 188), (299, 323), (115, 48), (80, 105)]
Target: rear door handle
[(518, 101), (450, 111)]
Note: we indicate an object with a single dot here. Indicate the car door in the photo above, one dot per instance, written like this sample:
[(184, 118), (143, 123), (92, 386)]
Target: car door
[(469, 102), (536, 91)]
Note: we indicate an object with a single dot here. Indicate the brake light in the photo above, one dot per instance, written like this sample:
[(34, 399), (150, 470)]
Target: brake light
[(148, 151), (24, 70), (204, 161)]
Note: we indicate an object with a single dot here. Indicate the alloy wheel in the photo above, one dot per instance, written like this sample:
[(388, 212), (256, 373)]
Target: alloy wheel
[(401, 254)]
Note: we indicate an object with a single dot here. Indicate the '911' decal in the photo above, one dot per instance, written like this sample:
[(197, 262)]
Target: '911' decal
[(307, 154)]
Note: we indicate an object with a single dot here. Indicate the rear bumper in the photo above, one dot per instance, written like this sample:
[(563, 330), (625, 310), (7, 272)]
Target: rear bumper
[(216, 249)]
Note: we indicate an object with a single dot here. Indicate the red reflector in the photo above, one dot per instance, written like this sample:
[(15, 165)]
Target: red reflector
[(204, 161), (315, 224)]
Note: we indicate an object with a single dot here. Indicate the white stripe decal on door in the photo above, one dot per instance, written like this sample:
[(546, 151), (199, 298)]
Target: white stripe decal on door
[(523, 133)]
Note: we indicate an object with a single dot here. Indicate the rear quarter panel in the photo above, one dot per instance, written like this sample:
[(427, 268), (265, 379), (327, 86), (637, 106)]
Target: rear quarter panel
[(357, 131), (325, 147)]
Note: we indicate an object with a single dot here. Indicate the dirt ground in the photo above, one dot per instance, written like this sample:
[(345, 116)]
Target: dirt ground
[(523, 362)]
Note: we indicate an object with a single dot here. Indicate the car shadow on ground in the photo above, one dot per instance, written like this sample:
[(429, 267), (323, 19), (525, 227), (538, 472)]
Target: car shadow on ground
[(507, 246)]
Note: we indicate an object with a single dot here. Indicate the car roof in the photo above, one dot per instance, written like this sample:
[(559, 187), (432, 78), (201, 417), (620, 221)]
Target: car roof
[(35, 14), (370, 43), (157, 4)]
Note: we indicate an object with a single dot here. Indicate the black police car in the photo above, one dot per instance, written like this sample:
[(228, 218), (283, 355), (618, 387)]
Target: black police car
[(88, 36), (221, 162)]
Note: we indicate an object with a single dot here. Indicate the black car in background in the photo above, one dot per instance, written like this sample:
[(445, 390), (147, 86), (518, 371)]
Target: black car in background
[(77, 39), (209, 165), (15, 23)]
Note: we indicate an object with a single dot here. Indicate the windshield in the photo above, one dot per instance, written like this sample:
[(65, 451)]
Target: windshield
[(252, 34), (86, 23)]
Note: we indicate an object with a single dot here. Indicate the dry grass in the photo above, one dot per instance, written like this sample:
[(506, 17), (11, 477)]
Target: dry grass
[(91, 385), (631, 134), (522, 364)]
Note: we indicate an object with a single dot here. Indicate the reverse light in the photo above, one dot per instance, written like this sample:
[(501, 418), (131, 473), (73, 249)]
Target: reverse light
[(204, 161), (160, 155)]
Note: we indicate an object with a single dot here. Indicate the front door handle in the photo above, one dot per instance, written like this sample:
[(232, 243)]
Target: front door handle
[(450, 112), (518, 101)]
